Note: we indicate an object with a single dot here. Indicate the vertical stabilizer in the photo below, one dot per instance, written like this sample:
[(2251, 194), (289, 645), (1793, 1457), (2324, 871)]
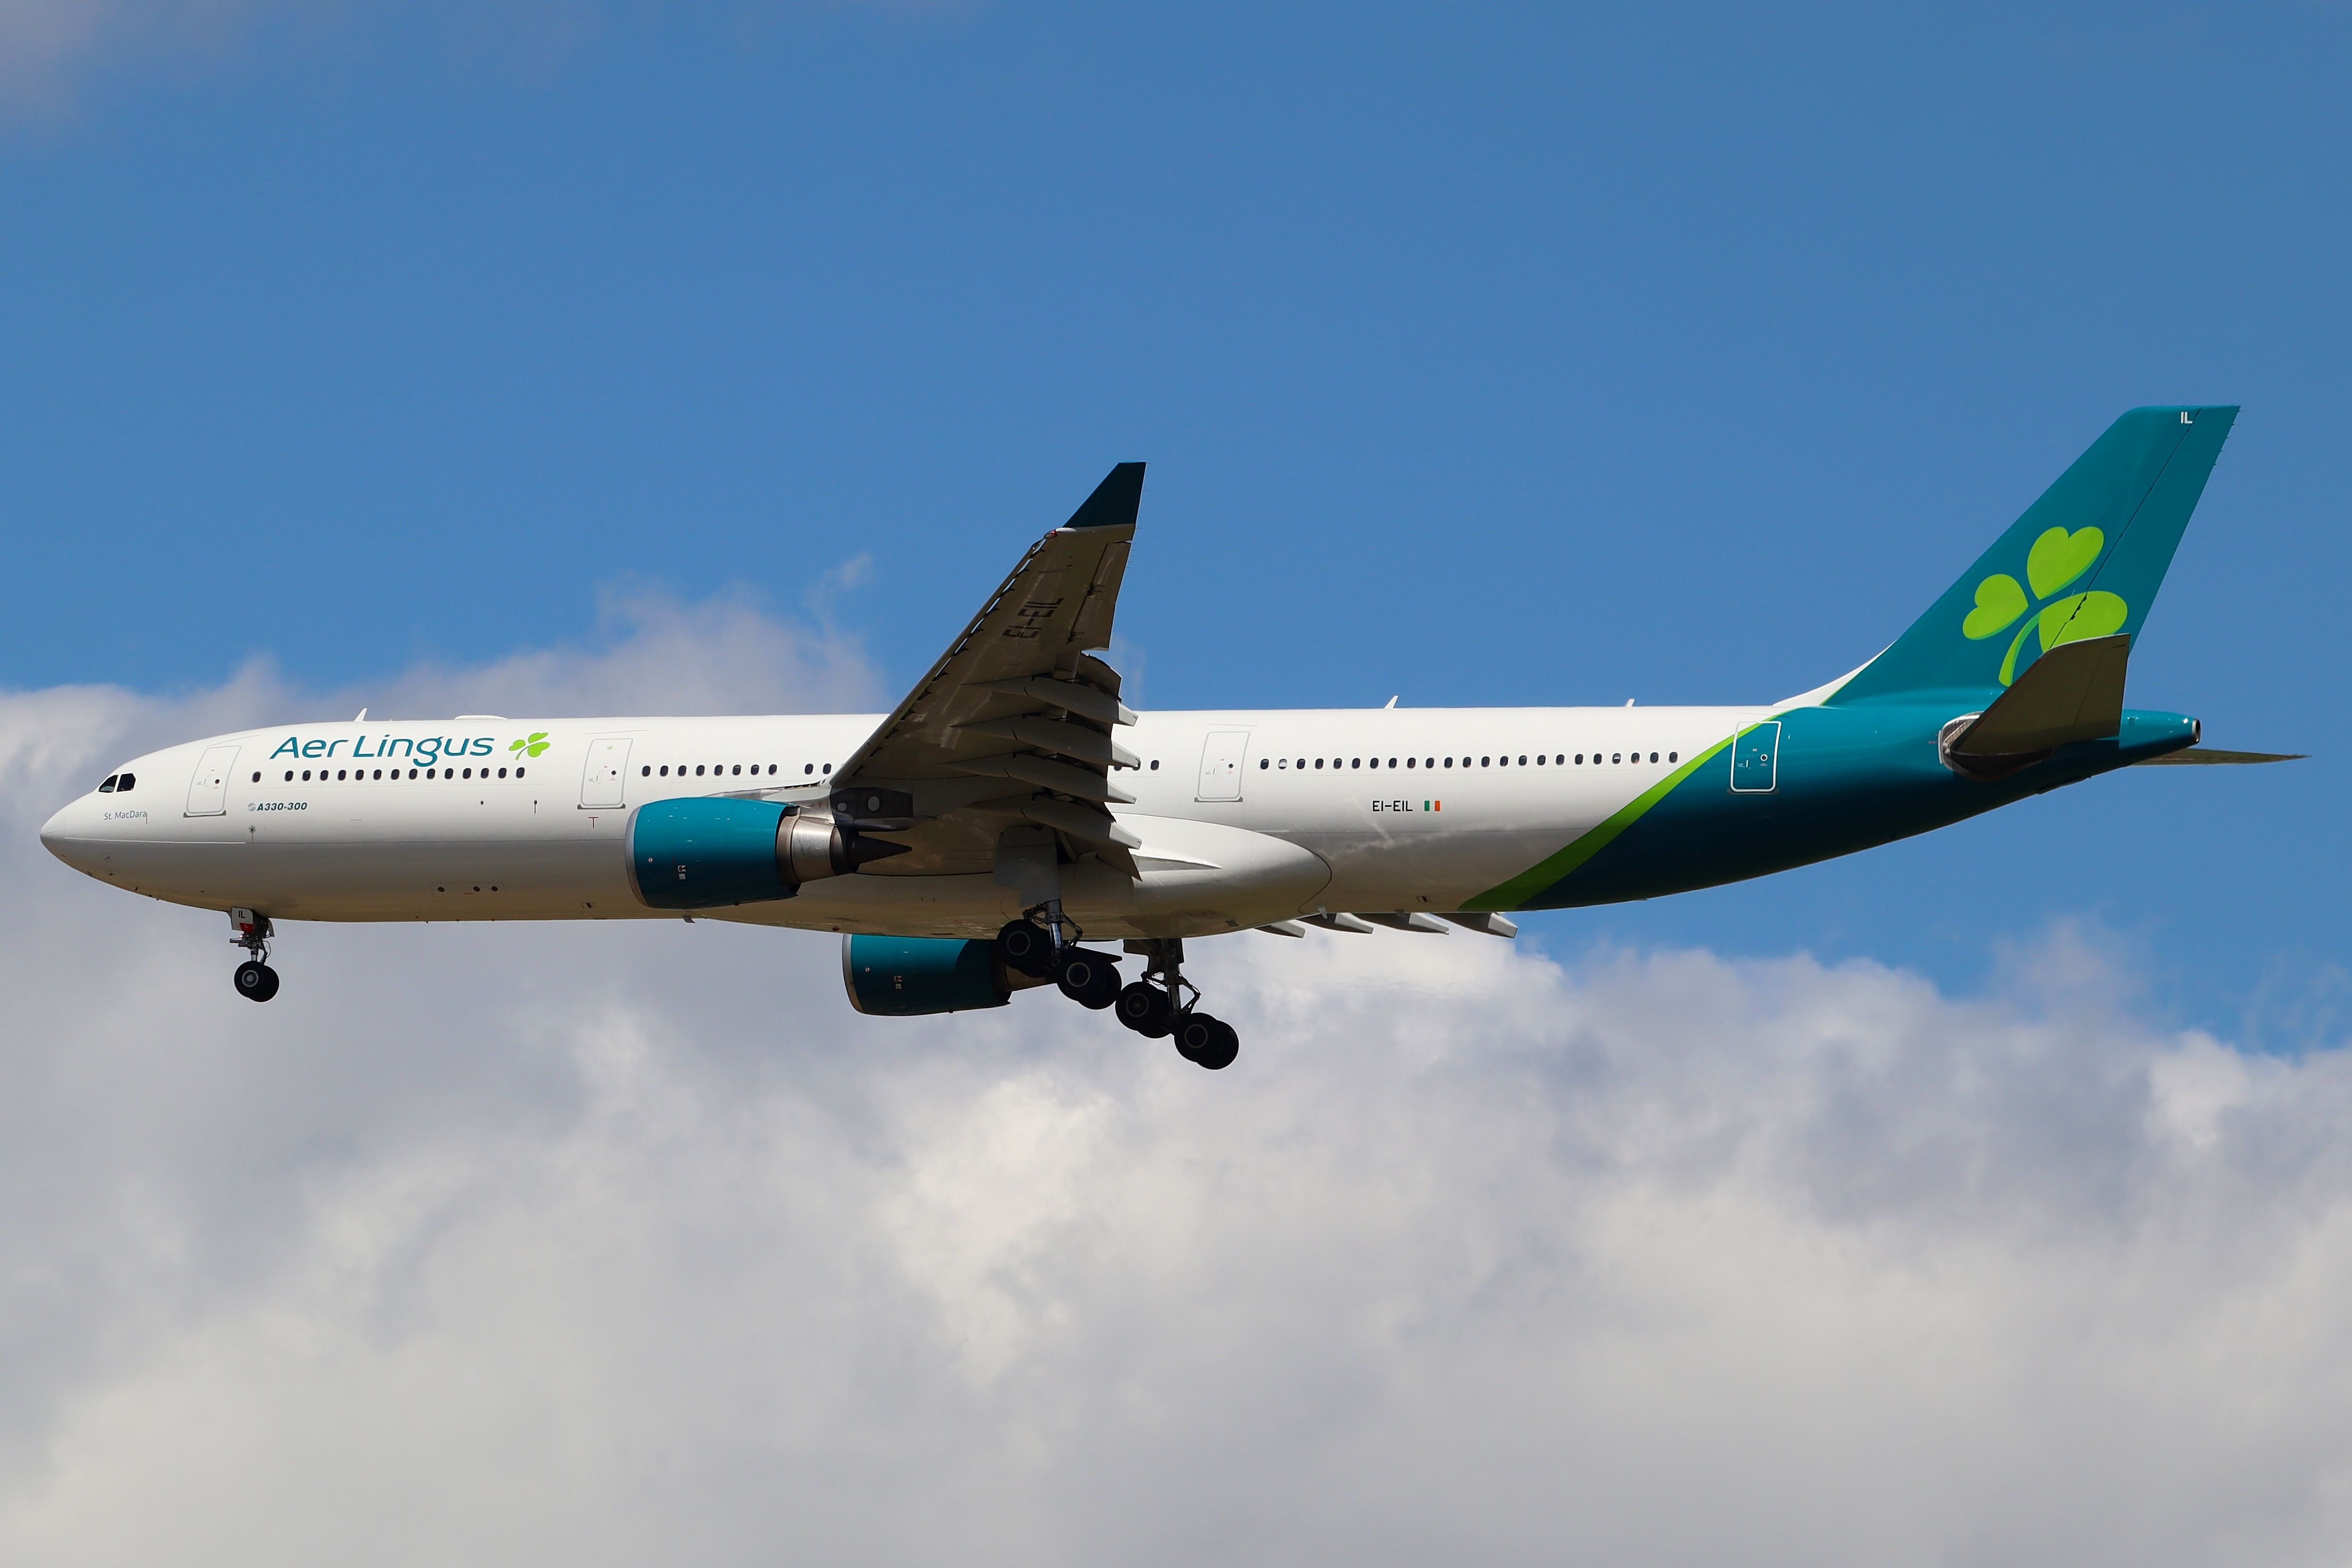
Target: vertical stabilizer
[(2084, 561)]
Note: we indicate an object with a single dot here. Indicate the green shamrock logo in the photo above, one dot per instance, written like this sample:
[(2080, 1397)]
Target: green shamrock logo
[(2057, 558), (536, 742)]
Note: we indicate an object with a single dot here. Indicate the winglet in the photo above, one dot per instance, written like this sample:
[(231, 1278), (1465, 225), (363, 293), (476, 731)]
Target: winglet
[(1115, 501)]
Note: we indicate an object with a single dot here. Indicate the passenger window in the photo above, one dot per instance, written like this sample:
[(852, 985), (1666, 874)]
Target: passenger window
[(1355, 762), (1559, 760), (1523, 761), (808, 767), (1653, 757), (738, 770), (1408, 762), (518, 772), (1673, 756), (1262, 765), (107, 785), (828, 768), (340, 774), (1486, 761), (698, 770), (1616, 757), (256, 778), (1155, 765), (1318, 765), (306, 776)]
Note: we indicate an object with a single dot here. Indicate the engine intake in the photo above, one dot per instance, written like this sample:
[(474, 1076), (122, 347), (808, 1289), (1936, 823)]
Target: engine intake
[(704, 854)]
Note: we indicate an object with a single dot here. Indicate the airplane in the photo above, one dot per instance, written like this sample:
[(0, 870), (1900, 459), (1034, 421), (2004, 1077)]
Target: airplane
[(1012, 816)]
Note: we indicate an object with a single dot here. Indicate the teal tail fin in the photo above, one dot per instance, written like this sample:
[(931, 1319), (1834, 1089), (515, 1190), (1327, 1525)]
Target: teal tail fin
[(2085, 560)]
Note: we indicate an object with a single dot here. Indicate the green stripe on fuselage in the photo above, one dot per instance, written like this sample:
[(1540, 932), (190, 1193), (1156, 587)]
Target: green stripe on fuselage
[(1846, 778), (1536, 878)]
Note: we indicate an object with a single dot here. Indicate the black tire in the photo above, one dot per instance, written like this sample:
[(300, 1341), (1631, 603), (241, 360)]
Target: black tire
[(1028, 948), (1197, 1033), (1087, 978), (256, 980), (1221, 1052), (1146, 1010)]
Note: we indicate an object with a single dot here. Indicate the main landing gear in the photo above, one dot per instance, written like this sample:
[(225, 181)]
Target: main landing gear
[(1162, 1005), (256, 980)]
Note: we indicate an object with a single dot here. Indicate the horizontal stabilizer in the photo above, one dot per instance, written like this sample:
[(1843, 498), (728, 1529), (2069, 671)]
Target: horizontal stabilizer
[(2073, 692), (2201, 755)]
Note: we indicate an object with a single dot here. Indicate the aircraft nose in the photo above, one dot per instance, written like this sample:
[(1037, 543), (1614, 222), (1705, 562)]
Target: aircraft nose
[(58, 837)]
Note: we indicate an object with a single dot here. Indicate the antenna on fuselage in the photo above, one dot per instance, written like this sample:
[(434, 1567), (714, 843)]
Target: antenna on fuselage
[(1387, 705), (362, 718)]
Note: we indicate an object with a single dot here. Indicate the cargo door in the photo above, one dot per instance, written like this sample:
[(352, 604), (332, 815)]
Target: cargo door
[(208, 790)]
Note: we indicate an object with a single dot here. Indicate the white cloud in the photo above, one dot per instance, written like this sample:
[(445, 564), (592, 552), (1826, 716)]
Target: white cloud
[(44, 44), (622, 1243)]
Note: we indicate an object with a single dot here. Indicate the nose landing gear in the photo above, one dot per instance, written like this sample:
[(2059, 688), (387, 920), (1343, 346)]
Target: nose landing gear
[(255, 979)]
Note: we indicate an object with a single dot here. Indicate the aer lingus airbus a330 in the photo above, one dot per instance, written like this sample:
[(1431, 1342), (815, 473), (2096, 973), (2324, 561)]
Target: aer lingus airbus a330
[(1012, 809)]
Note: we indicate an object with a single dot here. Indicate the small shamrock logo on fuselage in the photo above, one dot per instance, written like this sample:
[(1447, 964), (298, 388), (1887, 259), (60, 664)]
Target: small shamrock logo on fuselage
[(2056, 560), (532, 744)]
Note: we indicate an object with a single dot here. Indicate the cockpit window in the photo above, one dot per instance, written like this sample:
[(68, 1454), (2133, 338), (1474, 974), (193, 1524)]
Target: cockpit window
[(108, 788), (123, 785)]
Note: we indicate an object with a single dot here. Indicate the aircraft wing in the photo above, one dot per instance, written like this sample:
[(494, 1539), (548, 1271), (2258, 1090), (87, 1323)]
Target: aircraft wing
[(1014, 722)]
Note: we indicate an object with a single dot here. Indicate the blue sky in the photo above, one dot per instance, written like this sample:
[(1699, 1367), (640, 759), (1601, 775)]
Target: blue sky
[(1515, 355)]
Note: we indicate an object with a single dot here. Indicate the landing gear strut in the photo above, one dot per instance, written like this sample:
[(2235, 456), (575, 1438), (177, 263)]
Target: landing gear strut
[(1164, 1003), (256, 980), (1043, 945)]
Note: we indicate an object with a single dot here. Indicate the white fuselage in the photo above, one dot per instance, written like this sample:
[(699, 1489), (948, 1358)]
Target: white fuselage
[(1245, 817)]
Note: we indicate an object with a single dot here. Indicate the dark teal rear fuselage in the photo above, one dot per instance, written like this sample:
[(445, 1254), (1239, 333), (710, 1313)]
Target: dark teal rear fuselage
[(1846, 778)]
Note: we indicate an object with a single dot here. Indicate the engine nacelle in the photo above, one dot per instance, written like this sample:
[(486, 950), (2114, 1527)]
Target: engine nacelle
[(700, 852), (904, 976)]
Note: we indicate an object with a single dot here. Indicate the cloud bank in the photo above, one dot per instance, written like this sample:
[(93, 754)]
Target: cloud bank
[(631, 1242)]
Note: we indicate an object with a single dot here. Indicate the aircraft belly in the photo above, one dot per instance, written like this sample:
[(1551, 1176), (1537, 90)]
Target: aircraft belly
[(1199, 879), (1435, 871)]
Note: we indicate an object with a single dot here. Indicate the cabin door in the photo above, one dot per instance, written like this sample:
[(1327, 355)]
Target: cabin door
[(1221, 765), (1755, 759), (601, 780), (208, 790)]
